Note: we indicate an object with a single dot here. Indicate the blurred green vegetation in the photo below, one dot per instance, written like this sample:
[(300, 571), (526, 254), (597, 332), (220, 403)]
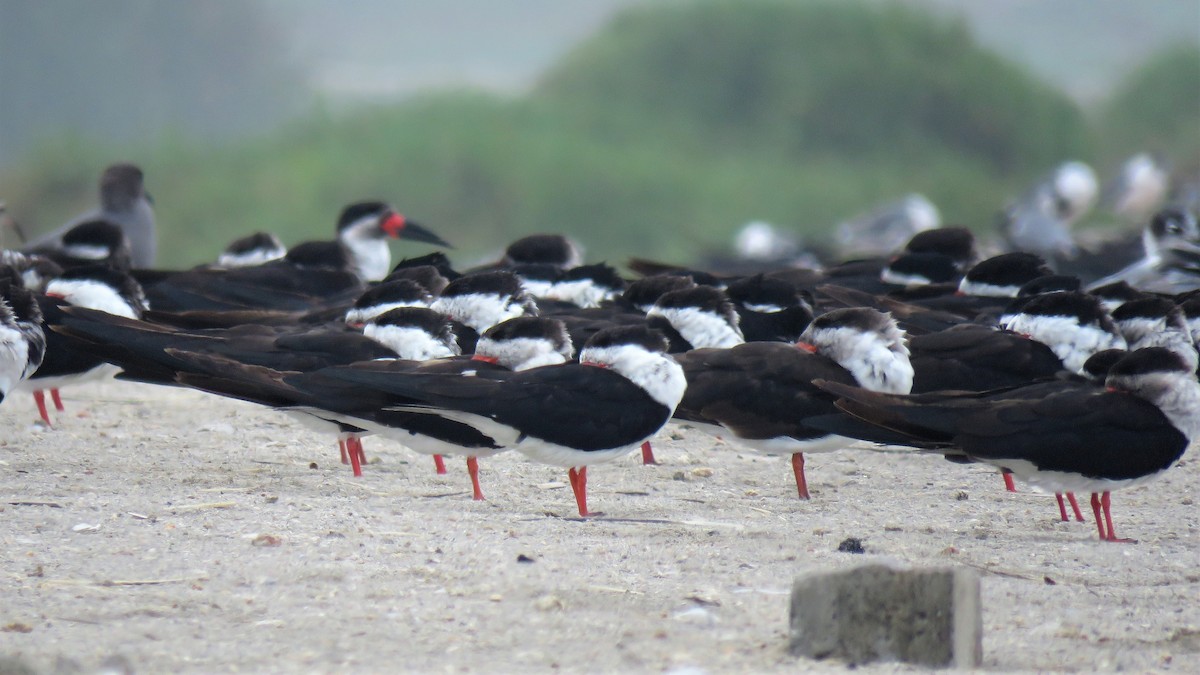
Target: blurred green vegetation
[(872, 82), (1157, 109), (659, 137)]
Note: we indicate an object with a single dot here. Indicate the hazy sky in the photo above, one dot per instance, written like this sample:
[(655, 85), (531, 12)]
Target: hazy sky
[(385, 48)]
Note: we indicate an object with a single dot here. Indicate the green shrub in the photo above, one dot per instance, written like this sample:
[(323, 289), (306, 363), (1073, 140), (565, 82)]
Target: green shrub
[(1157, 108)]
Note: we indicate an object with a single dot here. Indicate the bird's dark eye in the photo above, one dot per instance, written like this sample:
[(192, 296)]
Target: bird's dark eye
[(1173, 227)]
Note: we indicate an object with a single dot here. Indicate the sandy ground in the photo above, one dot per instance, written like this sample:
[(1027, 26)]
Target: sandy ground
[(181, 532)]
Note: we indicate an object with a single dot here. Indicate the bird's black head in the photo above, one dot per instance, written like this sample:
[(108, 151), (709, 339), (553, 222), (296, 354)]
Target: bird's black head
[(1152, 308), (400, 290), (1051, 283), (617, 336), (1099, 364), (760, 290), (423, 318), (934, 268), (1148, 360), (861, 319), (1116, 293), (503, 283), (121, 185), (643, 293), (1009, 269), (358, 211), (426, 276), (552, 331), (437, 260), (538, 272), (601, 274), (957, 243), (254, 242), (97, 232), (549, 249), (319, 255), (1086, 309)]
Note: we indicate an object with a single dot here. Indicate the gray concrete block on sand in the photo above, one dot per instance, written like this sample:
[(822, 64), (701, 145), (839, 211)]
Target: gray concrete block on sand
[(881, 612)]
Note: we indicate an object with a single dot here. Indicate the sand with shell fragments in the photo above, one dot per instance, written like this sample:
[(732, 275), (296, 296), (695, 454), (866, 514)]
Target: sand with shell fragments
[(165, 530)]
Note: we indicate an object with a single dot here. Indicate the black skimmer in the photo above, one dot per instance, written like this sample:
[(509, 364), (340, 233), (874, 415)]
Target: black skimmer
[(385, 297), (972, 357), (984, 290), (437, 260), (149, 352), (92, 242), (253, 249), (588, 286), (514, 345), (932, 260), (309, 273), (628, 309), (769, 309), (632, 306), (1115, 294), (1069, 440), (161, 355), (374, 301), (695, 318), (623, 390), (363, 229), (920, 269), (1157, 322), (1073, 324), (108, 291), (124, 202), (955, 242), (1002, 276), (22, 342), (484, 299), (758, 393), (1095, 369), (1052, 283), (552, 249), (428, 276)]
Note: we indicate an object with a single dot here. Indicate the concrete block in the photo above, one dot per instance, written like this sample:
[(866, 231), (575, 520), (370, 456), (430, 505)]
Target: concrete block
[(877, 612)]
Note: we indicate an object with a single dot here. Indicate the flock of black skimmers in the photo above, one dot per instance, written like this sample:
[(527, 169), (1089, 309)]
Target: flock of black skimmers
[(1066, 384)]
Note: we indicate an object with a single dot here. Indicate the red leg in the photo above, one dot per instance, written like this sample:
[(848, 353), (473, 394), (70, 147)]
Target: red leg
[(362, 454), (1096, 512), (342, 449), (39, 397), (57, 400), (473, 470), (1008, 483), (439, 464), (1074, 506), (648, 454), (355, 451), (579, 486), (1062, 508), (1112, 534), (798, 469)]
